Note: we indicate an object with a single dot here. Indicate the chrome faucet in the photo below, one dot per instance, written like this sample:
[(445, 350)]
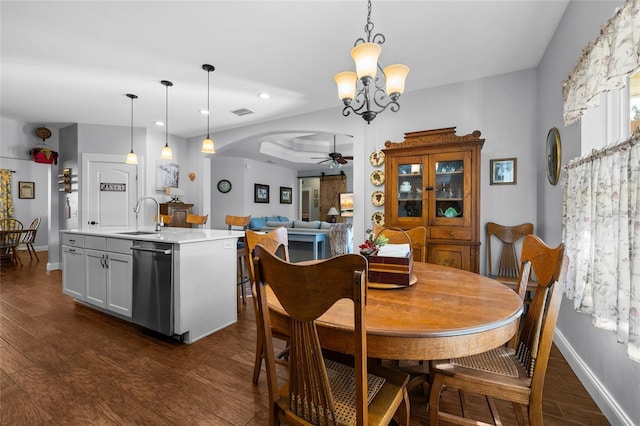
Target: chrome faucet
[(136, 209)]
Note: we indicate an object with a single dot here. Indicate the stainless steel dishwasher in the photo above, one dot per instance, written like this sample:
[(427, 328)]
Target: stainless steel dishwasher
[(153, 286)]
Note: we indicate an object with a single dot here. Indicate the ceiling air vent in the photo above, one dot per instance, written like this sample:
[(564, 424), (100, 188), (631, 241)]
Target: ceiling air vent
[(242, 111)]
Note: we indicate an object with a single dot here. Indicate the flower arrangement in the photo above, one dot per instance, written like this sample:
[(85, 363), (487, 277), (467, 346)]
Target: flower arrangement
[(372, 243), (44, 155)]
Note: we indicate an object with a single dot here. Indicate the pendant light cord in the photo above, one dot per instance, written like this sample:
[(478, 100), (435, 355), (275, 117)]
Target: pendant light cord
[(132, 124), (166, 119), (208, 98)]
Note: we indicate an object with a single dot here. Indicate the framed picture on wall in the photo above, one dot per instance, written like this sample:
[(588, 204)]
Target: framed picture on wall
[(26, 190), (315, 193), (504, 171), (167, 175), (315, 202), (261, 193), (285, 195)]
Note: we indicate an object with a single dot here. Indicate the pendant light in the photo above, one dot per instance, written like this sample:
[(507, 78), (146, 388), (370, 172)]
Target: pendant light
[(207, 144), (166, 153), (132, 158), (370, 97)]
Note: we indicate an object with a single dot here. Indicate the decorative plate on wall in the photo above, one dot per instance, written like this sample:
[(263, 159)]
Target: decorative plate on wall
[(376, 158), (377, 177), (378, 218), (377, 198)]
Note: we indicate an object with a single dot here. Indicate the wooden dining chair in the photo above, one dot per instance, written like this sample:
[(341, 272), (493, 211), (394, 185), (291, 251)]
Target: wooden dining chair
[(417, 237), (195, 219), (319, 390), (240, 223), (276, 241), (508, 264), (29, 237), (514, 375), (11, 237)]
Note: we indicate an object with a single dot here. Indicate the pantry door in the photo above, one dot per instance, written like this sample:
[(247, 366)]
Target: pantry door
[(110, 190)]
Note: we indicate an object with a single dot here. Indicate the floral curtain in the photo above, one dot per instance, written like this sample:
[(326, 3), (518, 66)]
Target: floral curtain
[(601, 230), (6, 199), (604, 63)]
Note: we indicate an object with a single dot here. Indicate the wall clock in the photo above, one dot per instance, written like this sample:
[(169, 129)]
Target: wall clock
[(554, 155), (224, 186)]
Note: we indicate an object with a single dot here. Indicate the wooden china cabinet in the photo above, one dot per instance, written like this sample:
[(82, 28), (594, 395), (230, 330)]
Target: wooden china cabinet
[(179, 211), (433, 180)]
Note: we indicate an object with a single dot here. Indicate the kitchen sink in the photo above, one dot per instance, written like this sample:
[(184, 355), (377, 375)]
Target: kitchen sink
[(137, 233)]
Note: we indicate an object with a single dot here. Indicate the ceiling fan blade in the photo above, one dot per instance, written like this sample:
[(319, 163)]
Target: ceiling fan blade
[(323, 161), (341, 160), (348, 157)]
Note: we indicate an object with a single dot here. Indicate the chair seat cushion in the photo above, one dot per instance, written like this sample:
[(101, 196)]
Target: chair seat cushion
[(342, 381), (497, 361)]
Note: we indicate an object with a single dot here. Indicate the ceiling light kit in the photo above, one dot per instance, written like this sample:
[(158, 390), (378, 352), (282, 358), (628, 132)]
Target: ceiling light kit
[(359, 100), (207, 144), (132, 158), (335, 158), (166, 153)]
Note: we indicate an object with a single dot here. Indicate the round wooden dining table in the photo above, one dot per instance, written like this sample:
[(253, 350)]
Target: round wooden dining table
[(448, 313)]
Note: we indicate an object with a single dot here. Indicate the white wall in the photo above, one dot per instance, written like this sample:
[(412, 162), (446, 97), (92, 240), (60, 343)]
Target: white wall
[(602, 364), (243, 175)]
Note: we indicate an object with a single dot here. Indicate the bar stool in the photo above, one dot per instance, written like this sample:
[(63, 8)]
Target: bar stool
[(194, 219), (240, 223), (165, 219)]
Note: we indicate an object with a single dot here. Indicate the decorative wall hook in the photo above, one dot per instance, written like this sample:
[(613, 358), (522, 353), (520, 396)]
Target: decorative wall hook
[(192, 176)]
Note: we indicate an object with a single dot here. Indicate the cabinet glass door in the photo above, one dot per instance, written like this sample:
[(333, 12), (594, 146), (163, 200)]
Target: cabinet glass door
[(409, 188), (451, 186)]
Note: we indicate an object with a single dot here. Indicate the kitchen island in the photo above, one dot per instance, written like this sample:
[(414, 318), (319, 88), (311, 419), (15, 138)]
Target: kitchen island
[(199, 280)]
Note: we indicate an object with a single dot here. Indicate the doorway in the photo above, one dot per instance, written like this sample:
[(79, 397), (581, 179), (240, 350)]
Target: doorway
[(319, 194)]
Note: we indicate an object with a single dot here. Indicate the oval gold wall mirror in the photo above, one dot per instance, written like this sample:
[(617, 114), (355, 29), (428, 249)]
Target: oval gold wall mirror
[(554, 155)]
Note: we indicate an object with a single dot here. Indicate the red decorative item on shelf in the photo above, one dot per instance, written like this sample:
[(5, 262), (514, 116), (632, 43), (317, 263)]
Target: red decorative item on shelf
[(44, 155)]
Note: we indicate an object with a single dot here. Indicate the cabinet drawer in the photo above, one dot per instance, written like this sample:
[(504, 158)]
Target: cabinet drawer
[(119, 245), (95, 243), (73, 240), (450, 233)]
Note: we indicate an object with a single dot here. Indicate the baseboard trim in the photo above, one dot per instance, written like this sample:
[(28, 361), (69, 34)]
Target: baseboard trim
[(605, 401)]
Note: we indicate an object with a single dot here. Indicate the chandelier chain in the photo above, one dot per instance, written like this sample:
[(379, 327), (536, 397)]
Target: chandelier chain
[(368, 29)]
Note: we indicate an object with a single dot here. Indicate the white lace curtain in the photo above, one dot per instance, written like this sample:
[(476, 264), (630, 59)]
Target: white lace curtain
[(601, 231), (604, 63)]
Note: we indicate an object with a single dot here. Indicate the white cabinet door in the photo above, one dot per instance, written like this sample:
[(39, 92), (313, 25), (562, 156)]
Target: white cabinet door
[(119, 283), (95, 277), (73, 272)]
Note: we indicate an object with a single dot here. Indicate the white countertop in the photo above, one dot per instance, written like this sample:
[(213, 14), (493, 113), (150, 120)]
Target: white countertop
[(172, 235)]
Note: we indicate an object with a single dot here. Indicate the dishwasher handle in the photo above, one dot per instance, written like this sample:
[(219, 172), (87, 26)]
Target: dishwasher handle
[(152, 250)]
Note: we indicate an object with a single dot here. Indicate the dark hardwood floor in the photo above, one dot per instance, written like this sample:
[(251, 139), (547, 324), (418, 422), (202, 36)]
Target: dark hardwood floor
[(63, 363)]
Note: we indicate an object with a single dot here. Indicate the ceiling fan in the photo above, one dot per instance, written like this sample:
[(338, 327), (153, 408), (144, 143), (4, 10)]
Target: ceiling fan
[(335, 157)]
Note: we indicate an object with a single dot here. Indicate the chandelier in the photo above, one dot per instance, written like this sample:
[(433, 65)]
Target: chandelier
[(370, 97)]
